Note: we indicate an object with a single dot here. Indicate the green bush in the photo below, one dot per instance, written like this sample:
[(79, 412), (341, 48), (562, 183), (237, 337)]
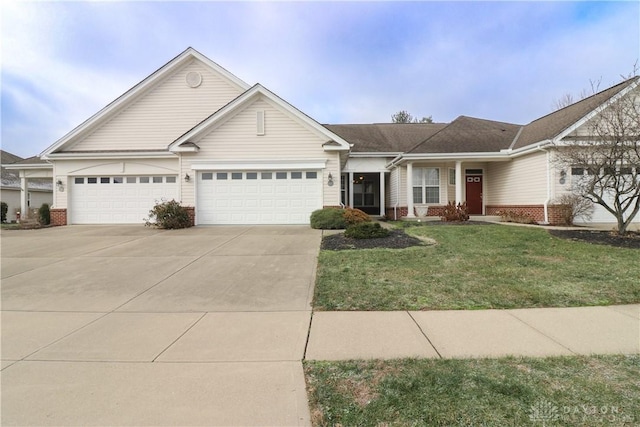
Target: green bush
[(4, 208), (355, 216), (366, 230), (44, 214), (168, 215), (328, 219)]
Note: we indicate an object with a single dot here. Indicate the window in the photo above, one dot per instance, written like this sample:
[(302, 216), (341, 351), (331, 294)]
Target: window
[(92, 180), (236, 175), (452, 177), (144, 180), (426, 185), (207, 176), (170, 180), (131, 180), (266, 175), (105, 180), (312, 175), (252, 175), (281, 175), (78, 180), (118, 180), (296, 175), (219, 175), (577, 171), (157, 180)]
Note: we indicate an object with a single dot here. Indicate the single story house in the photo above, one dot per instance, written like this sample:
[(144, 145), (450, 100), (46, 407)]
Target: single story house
[(240, 154), (38, 191)]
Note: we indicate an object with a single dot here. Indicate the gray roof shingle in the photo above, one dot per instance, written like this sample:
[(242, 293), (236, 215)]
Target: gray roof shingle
[(385, 137)]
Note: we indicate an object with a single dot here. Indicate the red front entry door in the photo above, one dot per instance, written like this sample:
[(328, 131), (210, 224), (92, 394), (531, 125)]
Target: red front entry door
[(474, 194)]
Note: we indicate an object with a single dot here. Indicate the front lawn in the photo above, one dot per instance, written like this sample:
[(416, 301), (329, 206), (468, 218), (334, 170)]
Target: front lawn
[(478, 267), (561, 391)]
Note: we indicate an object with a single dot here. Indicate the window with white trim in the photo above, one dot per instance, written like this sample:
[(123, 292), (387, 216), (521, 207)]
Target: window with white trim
[(426, 185), (452, 177)]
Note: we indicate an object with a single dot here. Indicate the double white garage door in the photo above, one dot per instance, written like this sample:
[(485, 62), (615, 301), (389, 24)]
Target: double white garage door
[(257, 197), (118, 199), (222, 197)]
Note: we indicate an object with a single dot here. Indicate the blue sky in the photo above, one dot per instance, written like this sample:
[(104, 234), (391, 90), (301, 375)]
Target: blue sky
[(339, 62)]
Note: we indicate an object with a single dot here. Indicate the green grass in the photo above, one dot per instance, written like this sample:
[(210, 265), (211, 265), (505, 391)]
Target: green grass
[(478, 267), (585, 391)]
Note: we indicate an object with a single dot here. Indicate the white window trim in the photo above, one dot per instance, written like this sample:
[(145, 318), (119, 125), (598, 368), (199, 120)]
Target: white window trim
[(454, 177), (423, 186)]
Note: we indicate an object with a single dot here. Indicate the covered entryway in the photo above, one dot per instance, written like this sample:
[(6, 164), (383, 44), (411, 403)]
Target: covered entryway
[(258, 197), (118, 199), (473, 189)]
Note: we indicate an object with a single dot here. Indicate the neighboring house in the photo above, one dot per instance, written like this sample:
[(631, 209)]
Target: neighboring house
[(239, 154), (39, 191)]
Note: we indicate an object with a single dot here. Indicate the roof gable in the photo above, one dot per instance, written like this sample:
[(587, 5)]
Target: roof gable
[(146, 86), (558, 122), (469, 135), (188, 141)]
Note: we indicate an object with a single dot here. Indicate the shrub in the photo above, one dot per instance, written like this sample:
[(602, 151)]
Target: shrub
[(4, 208), (168, 215), (517, 216), (44, 214), (574, 206), (366, 230), (453, 213), (328, 219), (355, 216)]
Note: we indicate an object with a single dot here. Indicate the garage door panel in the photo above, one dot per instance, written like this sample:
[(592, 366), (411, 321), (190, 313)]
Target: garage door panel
[(258, 197), (117, 200)]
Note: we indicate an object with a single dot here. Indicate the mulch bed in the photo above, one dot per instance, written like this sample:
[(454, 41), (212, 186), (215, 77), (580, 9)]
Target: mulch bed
[(397, 239), (630, 240)]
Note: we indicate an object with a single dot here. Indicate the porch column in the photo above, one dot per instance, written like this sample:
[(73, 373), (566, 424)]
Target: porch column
[(410, 213), (458, 182), (383, 210), (351, 189), (24, 196)]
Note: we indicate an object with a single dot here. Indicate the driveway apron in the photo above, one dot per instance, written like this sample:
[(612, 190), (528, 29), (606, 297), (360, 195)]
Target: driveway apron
[(126, 325)]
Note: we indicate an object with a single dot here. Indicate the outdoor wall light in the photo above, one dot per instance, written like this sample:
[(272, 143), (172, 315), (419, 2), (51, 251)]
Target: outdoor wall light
[(187, 178), (330, 180), (60, 185), (563, 177)]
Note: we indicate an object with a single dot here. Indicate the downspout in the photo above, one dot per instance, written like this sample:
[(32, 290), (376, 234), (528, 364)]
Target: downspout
[(548, 199)]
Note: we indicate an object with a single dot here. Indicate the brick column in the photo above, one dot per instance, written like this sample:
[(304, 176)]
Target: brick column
[(58, 216), (191, 211)]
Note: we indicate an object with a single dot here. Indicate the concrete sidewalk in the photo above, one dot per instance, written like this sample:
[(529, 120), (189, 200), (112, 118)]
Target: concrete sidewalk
[(476, 333)]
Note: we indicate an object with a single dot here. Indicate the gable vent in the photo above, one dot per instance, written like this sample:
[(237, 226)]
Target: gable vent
[(260, 122)]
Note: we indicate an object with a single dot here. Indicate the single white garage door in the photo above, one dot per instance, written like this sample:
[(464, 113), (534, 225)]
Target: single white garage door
[(118, 199), (258, 197)]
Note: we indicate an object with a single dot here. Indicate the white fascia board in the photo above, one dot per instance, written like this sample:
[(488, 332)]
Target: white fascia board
[(112, 155), (186, 56), (527, 149), (259, 164), (188, 149), (377, 154), (25, 166), (456, 156), (246, 98)]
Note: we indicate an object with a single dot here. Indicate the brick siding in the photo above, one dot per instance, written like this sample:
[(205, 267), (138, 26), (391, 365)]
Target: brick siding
[(58, 216), (191, 211)]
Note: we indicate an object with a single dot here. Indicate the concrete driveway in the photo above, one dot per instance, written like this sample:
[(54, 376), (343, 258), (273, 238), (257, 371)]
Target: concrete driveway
[(126, 325)]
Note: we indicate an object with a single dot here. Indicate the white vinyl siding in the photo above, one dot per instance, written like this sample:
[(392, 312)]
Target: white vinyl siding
[(285, 139), (164, 113), (520, 181)]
